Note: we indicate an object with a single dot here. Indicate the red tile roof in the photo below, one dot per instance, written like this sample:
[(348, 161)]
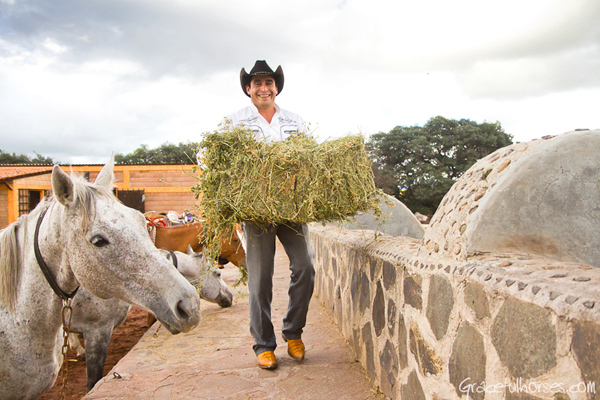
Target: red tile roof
[(19, 171)]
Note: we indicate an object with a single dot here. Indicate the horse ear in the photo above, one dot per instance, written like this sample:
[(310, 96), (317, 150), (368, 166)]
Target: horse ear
[(190, 251), (62, 186), (106, 176)]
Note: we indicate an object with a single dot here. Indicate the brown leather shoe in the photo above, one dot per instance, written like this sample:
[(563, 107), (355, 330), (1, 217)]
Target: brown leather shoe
[(267, 360), (295, 348)]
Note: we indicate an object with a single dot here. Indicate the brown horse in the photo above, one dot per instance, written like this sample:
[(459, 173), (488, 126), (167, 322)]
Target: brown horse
[(178, 237)]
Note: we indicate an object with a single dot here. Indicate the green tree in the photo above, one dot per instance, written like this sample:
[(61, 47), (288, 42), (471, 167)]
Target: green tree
[(385, 179), (40, 159), (167, 153), (426, 161), (7, 158)]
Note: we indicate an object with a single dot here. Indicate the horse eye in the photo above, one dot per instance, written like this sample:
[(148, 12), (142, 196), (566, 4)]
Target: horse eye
[(99, 241)]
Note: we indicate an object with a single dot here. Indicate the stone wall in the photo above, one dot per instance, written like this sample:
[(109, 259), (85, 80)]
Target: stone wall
[(493, 327)]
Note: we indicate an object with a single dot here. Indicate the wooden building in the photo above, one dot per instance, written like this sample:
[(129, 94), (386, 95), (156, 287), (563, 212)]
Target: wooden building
[(159, 188)]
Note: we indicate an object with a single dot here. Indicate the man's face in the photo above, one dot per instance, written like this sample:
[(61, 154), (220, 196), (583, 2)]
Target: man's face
[(262, 91)]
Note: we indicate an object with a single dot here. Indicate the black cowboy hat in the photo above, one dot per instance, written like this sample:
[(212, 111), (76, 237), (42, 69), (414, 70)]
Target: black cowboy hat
[(261, 68)]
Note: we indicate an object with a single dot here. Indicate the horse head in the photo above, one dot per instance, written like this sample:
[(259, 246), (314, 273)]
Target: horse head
[(110, 253), (202, 274), (233, 249)]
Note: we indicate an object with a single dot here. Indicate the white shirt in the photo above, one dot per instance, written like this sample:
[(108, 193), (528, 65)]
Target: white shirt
[(283, 124)]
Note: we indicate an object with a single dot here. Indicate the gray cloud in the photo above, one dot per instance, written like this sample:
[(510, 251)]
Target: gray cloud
[(79, 79), (560, 53), (164, 37), (562, 31)]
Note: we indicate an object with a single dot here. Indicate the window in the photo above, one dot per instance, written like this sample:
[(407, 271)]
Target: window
[(28, 199)]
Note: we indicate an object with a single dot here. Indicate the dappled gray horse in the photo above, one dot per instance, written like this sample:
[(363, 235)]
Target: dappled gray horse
[(202, 273), (80, 236), (97, 318)]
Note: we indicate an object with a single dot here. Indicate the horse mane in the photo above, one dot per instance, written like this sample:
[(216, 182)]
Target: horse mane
[(84, 194), (8, 263)]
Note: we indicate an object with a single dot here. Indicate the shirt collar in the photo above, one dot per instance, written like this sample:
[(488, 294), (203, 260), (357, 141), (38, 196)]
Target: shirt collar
[(257, 114)]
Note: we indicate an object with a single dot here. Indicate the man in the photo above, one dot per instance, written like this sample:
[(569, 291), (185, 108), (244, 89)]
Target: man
[(271, 122)]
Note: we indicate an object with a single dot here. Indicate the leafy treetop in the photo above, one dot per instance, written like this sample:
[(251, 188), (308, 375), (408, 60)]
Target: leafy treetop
[(167, 153), (418, 165), (7, 158)]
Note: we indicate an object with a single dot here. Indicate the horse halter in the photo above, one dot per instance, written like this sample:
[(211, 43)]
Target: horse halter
[(173, 258), (67, 298), (45, 270)]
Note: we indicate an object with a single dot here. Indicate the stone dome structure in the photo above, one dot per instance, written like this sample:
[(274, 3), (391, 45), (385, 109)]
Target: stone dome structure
[(537, 198)]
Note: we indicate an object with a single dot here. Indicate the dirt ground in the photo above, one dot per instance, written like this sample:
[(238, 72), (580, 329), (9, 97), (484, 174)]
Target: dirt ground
[(123, 339)]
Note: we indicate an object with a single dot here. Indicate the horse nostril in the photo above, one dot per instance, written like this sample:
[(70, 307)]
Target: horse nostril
[(186, 314), (226, 300), (183, 309)]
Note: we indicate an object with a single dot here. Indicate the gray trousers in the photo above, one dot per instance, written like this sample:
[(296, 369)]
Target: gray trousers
[(260, 254)]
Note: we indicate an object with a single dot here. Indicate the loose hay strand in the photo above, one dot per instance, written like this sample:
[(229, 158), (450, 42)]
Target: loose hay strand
[(292, 181)]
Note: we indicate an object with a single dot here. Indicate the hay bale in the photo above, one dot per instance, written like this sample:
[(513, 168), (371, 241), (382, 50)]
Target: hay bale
[(297, 180)]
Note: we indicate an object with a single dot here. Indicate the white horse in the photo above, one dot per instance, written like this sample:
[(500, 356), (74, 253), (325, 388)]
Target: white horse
[(202, 273), (96, 318), (80, 236)]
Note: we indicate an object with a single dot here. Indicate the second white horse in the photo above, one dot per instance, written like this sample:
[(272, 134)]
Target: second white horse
[(96, 318)]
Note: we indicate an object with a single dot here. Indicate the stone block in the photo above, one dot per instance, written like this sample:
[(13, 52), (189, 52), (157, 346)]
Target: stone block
[(323, 248), (334, 269), (524, 338), (413, 291), (372, 267), (339, 306), (561, 396), (343, 272), (388, 359), (355, 341), (412, 390), (428, 360), (353, 260), (439, 305), (367, 338), (354, 288), (586, 349), (402, 343), (391, 317), (477, 300), (519, 396), (319, 285), (467, 361), (389, 275), (364, 297), (378, 311)]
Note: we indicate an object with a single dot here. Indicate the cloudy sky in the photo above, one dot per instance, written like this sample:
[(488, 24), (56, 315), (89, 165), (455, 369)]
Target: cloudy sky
[(82, 78)]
